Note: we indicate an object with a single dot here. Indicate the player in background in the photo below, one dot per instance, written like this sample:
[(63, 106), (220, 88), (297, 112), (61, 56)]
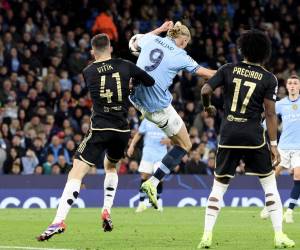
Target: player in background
[(154, 149), (249, 90), (289, 144), (107, 80), (163, 58)]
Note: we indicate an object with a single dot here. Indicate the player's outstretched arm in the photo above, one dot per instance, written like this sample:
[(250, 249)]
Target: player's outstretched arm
[(142, 76), (205, 73), (271, 121), (133, 143), (163, 28)]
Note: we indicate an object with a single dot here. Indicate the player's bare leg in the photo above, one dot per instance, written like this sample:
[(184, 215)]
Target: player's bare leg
[(110, 188), (182, 145), (69, 196), (274, 206), (294, 196), (213, 208), (264, 214)]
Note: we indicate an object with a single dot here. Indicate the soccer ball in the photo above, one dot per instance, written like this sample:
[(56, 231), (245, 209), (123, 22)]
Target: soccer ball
[(132, 45)]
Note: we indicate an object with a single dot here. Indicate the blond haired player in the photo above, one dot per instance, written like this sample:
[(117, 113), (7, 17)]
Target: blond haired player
[(163, 58)]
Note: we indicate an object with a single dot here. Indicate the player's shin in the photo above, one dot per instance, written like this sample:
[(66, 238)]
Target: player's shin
[(272, 201), (214, 203), (71, 190), (110, 187), (68, 197), (168, 163)]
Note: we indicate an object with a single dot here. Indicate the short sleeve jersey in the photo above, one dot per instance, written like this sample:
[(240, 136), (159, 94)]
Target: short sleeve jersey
[(108, 84), (245, 88), (162, 59)]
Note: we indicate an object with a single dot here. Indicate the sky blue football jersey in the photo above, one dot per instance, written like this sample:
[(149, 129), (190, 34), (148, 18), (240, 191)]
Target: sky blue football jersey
[(290, 113), (162, 59), (153, 150)]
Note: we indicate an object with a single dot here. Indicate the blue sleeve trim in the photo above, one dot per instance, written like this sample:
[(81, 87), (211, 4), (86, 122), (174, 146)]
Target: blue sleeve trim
[(195, 69)]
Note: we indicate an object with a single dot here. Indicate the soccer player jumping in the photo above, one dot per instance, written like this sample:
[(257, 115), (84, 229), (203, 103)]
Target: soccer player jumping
[(249, 90), (289, 145), (163, 58), (108, 82)]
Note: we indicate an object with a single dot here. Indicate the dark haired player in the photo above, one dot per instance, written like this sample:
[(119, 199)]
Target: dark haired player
[(249, 90), (108, 82)]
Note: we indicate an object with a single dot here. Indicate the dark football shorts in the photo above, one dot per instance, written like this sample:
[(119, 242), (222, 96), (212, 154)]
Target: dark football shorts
[(257, 161), (95, 142)]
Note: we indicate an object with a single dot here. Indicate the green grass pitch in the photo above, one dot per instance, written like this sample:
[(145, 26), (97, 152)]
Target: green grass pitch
[(175, 228)]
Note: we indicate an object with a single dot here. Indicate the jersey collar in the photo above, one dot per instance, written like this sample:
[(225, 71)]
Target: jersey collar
[(293, 100), (254, 64), (172, 40)]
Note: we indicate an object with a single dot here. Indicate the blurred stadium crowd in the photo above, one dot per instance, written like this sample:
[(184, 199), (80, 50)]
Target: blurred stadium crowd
[(44, 45)]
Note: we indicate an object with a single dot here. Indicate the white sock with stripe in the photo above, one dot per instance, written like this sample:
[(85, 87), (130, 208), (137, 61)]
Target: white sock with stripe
[(213, 206), (273, 201), (110, 188), (68, 197)]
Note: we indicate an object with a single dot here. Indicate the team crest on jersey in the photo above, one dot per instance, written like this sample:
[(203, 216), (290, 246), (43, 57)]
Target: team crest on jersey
[(294, 106)]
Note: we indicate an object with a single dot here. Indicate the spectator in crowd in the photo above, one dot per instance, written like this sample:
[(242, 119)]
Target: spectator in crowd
[(56, 148), (133, 167), (55, 170), (38, 170), (194, 164), (104, 24), (29, 161), (16, 167), (47, 165)]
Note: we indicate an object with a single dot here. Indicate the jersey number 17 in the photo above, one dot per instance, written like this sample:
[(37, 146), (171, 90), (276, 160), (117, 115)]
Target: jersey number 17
[(238, 84)]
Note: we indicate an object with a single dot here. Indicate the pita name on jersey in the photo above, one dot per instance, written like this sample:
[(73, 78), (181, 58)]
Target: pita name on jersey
[(133, 47)]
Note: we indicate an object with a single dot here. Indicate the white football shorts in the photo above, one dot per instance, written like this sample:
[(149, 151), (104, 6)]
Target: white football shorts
[(289, 158), (148, 167), (166, 119)]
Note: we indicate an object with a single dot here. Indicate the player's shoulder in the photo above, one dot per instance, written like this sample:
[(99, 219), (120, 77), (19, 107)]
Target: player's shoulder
[(122, 61), (270, 75), (227, 67), (271, 80), (88, 68)]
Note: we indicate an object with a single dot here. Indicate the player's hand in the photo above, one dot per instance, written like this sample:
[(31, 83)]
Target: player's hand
[(275, 156), (130, 151), (166, 26), (210, 110)]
